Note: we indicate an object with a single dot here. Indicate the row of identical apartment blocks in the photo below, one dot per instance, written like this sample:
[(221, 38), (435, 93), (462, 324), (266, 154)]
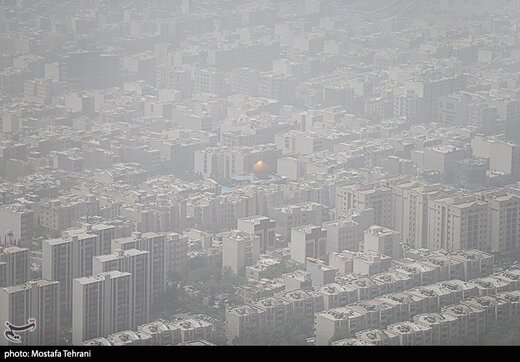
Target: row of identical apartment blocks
[(464, 322), (404, 275), (379, 312), (159, 333), (368, 274)]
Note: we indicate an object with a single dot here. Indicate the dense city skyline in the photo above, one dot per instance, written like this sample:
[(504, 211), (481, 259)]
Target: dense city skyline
[(259, 172)]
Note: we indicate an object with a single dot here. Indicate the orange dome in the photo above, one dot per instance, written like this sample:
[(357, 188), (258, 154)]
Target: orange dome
[(260, 167)]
